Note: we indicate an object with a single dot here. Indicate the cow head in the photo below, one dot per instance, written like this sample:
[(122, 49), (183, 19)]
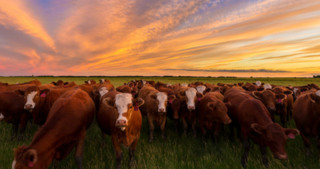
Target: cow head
[(280, 98), (267, 97), (102, 90), (125, 106), (102, 81), (201, 89), (24, 158), (275, 137), (191, 97), (220, 111), (87, 82), (32, 96), (161, 100)]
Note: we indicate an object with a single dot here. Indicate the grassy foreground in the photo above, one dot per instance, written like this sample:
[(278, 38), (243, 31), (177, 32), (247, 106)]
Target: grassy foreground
[(175, 151)]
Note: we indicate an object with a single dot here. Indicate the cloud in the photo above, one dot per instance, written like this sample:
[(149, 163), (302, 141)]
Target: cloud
[(231, 70)]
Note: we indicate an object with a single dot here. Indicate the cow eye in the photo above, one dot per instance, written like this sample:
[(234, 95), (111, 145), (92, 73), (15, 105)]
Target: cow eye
[(131, 107)]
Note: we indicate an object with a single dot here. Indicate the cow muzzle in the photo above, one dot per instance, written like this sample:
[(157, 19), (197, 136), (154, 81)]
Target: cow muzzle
[(1, 116), (281, 156), (161, 110), (28, 107), (191, 108), (272, 109)]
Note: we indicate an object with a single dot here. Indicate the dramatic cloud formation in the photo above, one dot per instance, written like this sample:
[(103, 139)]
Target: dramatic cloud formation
[(160, 37)]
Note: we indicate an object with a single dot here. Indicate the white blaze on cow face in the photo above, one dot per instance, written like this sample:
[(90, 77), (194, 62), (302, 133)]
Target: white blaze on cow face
[(169, 84), (89, 81), (258, 83), (184, 85), (161, 97), (101, 80), (13, 164), (318, 93), (1, 116), (201, 89), (122, 101), (191, 94), (144, 82), (103, 91), (30, 98), (267, 86)]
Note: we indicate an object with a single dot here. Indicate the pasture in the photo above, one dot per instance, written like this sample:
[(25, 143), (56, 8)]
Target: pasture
[(175, 151)]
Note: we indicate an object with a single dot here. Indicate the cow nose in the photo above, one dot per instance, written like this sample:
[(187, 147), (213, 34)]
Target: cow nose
[(176, 116), (161, 110), (272, 108), (191, 107), (121, 123), (282, 156), (228, 121), (28, 106)]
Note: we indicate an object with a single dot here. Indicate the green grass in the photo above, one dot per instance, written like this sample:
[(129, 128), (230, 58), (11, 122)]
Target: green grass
[(175, 151)]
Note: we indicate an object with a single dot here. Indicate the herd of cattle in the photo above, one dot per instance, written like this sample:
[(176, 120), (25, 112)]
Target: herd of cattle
[(250, 108)]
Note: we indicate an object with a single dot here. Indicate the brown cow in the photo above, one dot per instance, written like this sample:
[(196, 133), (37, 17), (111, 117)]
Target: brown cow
[(268, 98), (189, 98), (255, 122), (212, 112), (306, 112), (253, 87), (60, 83), (11, 111), (119, 117), (68, 120), (39, 102), (155, 108), (90, 82)]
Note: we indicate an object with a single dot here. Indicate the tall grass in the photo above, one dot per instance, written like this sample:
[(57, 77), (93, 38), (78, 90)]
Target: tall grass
[(175, 151)]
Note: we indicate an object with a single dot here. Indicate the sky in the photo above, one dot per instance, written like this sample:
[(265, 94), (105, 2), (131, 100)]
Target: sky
[(260, 38)]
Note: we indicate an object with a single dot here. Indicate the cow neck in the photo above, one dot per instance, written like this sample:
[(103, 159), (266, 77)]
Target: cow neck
[(39, 106)]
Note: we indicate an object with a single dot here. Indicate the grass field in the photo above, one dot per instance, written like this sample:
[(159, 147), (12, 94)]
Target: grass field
[(175, 151)]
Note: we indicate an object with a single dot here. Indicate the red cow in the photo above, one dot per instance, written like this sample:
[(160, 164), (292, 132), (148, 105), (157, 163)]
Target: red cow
[(212, 112), (56, 138), (306, 112), (255, 122), (120, 118)]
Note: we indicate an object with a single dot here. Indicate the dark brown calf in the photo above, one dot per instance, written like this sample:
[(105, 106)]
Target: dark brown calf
[(68, 120), (212, 112), (284, 104)]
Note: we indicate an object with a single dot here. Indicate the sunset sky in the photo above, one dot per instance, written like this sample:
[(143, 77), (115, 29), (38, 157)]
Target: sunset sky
[(160, 37)]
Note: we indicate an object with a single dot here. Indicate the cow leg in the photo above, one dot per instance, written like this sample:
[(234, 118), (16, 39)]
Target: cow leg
[(283, 118), (231, 127), (306, 142), (163, 127), (151, 128), (118, 152), (185, 126), (194, 124), (14, 131), (23, 125), (78, 156), (263, 150), (176, 125), (132, 149), (272, 117), (203, 131), (246, 146), (216, 132)]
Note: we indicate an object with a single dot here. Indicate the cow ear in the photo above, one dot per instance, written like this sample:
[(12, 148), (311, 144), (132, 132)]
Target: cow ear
[(31, 157), (182, 93), (257, 95), (312, 97), (19, 92), (44, 92), (171, 97), (291, 133), (257, 128), (211, 105), (138, 101), (288, 92), (208, 90), (199, 95), (228, 104), (107, 101), (153, 96)]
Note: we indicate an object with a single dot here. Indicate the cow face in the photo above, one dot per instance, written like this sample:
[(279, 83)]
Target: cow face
[(124, 105), (102, 81), (87, 82), (100, 91), (191, 97), (32, 96), (267, 97), (24, 159), (161, 99), (275, 137), (220, 111), (201, 89)]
